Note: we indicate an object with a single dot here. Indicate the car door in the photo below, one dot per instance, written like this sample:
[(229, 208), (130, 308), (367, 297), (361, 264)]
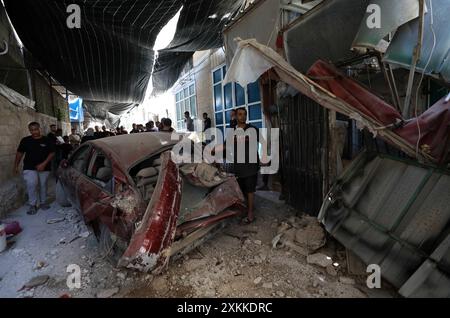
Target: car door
[(69, 176), (95, 194)]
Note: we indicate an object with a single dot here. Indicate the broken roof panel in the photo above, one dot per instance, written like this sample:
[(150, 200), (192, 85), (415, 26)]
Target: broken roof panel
[(435, 51), (326, 32), (394, 214), (393, 14)]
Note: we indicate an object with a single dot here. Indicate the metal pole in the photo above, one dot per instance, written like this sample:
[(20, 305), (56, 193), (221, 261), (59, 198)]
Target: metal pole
[(416, 58)]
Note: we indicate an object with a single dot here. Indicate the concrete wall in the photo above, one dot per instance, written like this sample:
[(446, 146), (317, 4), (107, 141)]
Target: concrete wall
[(58, 108), (203, 83), (13, 128)]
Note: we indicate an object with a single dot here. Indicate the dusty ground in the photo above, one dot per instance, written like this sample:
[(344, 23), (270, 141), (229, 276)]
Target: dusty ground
[(238, 262)]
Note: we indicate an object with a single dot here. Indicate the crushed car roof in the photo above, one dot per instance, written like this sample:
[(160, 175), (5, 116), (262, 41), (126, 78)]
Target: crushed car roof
[(129, 149)]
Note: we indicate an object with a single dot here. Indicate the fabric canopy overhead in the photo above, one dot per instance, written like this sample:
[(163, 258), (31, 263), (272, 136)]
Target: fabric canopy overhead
[(199, 28), (106, 112), (108, 59)]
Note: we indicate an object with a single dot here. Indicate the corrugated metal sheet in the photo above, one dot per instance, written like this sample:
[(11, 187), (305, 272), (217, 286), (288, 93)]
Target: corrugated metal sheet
[(395, 214)]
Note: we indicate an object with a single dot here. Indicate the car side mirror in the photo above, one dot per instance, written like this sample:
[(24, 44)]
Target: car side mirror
[(64, 164)]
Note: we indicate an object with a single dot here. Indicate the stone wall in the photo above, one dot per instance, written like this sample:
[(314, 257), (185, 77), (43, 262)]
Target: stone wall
[(13, 127)]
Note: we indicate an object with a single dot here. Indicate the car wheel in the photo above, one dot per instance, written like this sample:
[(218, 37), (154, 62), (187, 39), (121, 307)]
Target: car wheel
[(111, 246), (61, 197)]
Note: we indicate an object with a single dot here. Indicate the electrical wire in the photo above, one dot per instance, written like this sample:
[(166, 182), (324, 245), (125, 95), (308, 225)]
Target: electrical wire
[(422, 77)]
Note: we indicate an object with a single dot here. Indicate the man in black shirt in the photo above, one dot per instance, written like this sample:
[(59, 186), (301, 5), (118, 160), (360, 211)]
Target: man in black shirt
[(39, 152), (52, 134), (245, 166)]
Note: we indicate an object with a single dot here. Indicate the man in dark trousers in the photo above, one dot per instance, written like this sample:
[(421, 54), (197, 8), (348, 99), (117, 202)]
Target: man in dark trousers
[(246, 166), (39, 152)]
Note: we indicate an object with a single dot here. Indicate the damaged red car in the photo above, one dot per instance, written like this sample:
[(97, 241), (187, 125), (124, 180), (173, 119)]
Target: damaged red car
[(143, 207)]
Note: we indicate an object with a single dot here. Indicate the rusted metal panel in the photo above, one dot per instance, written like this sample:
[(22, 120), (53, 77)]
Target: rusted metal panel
[(149, 248)]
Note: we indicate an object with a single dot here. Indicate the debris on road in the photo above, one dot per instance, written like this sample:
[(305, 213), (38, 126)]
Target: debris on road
[(107, 293), (319, 259), (35, 282)]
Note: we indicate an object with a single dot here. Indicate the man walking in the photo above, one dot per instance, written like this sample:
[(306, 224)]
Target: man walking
[(39, 152)]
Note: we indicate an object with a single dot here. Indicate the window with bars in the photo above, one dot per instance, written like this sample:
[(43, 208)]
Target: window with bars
[(185, 100), (231, 96)]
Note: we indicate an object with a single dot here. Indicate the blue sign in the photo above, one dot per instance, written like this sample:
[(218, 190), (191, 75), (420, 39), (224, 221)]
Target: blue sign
[(76, 110)]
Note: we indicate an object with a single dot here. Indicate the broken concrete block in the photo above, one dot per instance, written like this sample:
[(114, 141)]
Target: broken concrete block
[(56, 220), (331, 271), (40, 264), (268, 285), (121, 275), (35, 282), (107, 293), (257, 280), (280, 294), (311, 237), (347, 280), (85, 234), (319, 259)]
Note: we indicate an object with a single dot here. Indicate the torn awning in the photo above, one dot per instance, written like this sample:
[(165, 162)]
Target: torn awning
[(199, 28), (106, 112), (348, 98), (108, 59), (432, 127), (435, 53)]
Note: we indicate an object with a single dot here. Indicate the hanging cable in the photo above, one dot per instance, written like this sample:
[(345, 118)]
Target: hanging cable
[(422, 77)]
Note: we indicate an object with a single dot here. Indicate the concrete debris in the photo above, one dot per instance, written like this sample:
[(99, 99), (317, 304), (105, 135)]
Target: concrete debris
[(312, 236), (159, 284), (319, 259), (331, 271), (40, 265), (276, 240), (346, 280), (107, 293), (56, 220), (280, 294), (85, 234), (257, 280), (35, 282), (303, 235), (121, 275), (267, 285)]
